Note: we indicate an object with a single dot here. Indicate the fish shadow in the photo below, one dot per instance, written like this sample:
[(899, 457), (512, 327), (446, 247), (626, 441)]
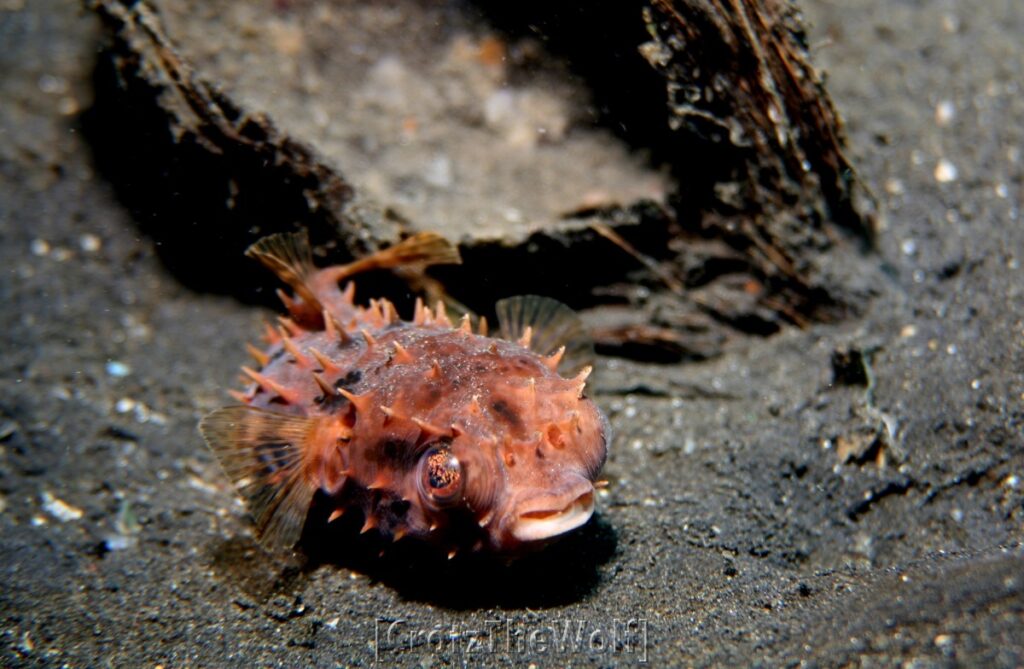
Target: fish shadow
[(565, 572)]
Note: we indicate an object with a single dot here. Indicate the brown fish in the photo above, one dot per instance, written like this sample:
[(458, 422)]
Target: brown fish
[(428, 430)]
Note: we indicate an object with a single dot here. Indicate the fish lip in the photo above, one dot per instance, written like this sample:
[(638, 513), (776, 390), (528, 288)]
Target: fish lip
[(548, 516)]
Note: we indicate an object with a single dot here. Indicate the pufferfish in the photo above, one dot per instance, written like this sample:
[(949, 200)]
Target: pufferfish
[(428, 430)]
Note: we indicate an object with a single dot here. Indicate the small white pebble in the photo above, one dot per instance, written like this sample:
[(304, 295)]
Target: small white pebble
[(89, 243), (118, 369), (199, 484), (512, 215), (894, 186), (943, 640), (1012, 481), (332, 623), (689, 445), (952, 349), (975, 384), (945, 171), (40, 247), (155, 417), (60, 509), (945, 112), (1002, 192), (908, 331), (60, 393), (68, 106), (909, 247), (124, 405), (118, 542), (52, 84), (957, 515), (38, 521), (438, 171), (320, 116)]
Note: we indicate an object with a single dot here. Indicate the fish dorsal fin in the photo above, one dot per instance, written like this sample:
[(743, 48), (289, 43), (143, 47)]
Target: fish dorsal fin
[(419, 251), (262, 453), (548, 325), (290, 257)]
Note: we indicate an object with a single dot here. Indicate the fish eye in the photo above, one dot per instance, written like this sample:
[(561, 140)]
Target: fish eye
[(441, 477)]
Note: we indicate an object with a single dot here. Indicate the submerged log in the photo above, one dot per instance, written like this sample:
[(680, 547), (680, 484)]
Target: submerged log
[(738, 79), (763, 226)]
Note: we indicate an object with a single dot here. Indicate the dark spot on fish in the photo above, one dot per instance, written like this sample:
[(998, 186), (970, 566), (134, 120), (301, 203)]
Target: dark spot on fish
[(400, 507), (273, 457), (349, 380), (337, 402), (505, 412), (392, 449), (393, 454), (331, 403), (433, 393)]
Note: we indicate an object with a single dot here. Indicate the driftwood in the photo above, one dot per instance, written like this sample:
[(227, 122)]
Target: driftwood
[(737, 75), (198, 169), (721, 90)]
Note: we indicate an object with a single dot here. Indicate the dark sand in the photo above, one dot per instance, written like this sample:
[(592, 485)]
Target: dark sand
[(732, 533)]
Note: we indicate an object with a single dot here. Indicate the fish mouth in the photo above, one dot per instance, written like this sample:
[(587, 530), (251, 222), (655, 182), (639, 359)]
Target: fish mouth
[(550, 517)]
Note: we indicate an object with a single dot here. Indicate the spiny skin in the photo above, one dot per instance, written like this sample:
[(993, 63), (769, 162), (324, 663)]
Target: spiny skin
[(387, 403)]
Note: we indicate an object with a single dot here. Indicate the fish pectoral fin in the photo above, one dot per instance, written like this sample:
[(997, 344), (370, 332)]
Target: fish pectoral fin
[(544, 325), (290, 257), (263, 454)]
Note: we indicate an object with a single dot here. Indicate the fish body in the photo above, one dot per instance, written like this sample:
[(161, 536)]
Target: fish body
[(429, 430)]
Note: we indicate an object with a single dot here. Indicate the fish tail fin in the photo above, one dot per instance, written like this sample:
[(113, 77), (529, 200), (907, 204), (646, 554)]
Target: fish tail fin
[(290, 257), (262, 453), (419, 251)]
